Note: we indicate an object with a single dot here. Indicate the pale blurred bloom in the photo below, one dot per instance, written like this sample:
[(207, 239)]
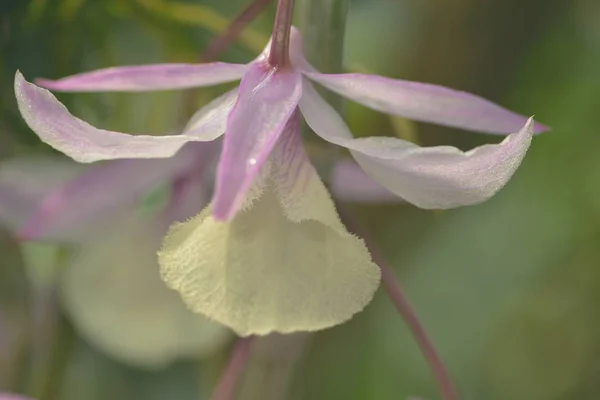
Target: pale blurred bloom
[(13, 396), (111, 286)]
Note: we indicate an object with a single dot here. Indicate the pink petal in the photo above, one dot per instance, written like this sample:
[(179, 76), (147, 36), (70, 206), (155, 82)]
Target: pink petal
[(267, 99), (435, 177), (79, 206), (419, 101), (209, 122), (53, 123), (141, 78), (350, 183)]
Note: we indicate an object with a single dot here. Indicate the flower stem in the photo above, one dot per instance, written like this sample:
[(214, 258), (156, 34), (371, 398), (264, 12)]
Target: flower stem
[(407, 311), (273, 365), (279, 55), (61, 353), (231, 376), (405, 308), (53, 337), (323, 25)]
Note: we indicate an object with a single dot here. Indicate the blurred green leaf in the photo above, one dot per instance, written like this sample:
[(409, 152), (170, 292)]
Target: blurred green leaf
[(92, 376), (70, 8)]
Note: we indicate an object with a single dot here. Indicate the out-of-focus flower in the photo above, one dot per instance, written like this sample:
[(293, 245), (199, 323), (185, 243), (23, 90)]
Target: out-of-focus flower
[(351, 184), (13, 396), (270, 253), (111, 287)]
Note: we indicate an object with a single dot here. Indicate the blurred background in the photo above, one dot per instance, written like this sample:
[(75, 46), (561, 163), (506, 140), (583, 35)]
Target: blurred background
[(509, 290)]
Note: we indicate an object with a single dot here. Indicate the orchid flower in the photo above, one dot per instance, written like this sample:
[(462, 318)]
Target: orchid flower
[(111, 286), (269, 253)]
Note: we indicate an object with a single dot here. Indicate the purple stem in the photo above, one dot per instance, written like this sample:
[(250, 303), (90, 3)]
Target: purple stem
[(231, 376), (279, 54), (223, 41), (409, 314), (220, 44)]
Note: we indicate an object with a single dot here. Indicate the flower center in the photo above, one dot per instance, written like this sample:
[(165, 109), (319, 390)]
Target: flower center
[(279, 54)]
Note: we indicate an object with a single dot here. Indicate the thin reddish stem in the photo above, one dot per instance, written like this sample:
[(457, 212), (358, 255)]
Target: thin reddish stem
[(223, 41), (407, 311), (229, 381), (280, 43), (409, 314)]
